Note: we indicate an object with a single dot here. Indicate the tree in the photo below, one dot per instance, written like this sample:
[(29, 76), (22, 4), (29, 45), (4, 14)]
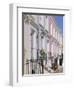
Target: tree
[(42, 58)]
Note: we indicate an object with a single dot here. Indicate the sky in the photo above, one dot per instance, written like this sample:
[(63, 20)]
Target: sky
[(59, 21)]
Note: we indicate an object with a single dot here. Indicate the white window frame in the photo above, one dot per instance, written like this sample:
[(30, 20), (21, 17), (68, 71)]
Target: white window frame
[(16, 39)]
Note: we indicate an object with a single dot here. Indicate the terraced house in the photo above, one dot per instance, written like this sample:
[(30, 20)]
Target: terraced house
[(43, 42)]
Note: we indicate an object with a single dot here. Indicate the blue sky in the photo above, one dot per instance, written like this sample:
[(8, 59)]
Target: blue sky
[(59, 21)]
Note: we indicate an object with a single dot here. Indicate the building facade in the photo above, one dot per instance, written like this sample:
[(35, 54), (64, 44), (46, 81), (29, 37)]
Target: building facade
[(55, 41), (40, 33)]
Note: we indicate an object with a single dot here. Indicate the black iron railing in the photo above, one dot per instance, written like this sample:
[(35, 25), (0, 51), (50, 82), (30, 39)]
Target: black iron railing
[(36, 66)]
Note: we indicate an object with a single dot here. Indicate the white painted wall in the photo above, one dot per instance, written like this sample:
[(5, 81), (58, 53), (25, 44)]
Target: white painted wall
[(42, 82)]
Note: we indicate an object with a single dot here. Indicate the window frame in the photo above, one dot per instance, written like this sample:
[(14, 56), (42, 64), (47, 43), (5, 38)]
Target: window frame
[(15, 36)]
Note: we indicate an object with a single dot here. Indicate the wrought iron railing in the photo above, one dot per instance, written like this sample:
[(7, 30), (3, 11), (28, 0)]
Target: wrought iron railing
[(38, 66), (35, 66)]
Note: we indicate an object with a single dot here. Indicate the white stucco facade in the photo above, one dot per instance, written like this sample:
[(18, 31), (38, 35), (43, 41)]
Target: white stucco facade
[(40, 32)]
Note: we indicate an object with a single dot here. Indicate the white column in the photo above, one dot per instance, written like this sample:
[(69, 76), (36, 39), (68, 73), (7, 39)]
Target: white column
[(51, 29), (34, 46)]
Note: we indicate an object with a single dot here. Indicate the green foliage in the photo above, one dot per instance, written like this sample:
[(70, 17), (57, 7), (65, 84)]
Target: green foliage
[(42, 54)]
